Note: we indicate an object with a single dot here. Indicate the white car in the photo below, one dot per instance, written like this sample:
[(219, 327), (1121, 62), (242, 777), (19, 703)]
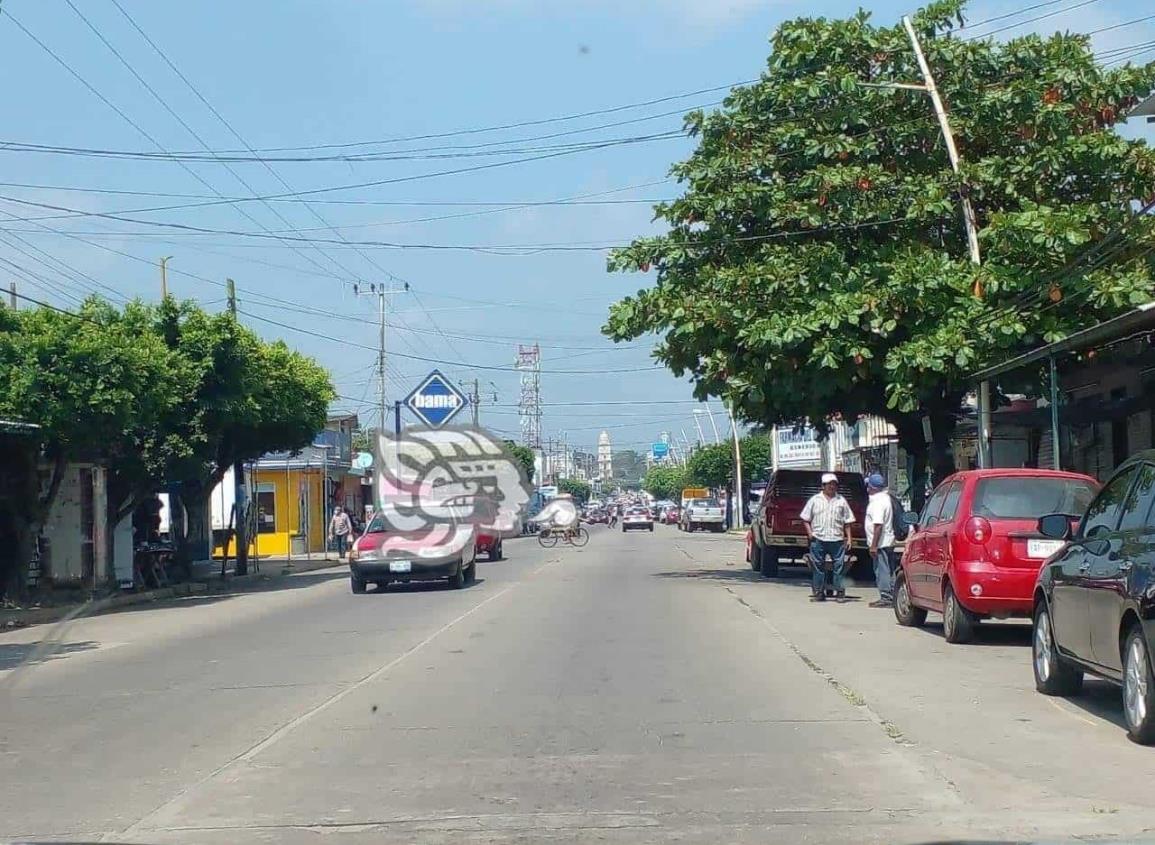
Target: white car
[(637, 518), (703, 513)]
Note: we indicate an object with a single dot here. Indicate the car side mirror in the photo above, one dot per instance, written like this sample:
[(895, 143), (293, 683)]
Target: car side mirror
[(1057, 526), (910, 519)]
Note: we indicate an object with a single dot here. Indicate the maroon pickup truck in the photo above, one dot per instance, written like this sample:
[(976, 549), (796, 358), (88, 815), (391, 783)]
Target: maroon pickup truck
[(777, 534)]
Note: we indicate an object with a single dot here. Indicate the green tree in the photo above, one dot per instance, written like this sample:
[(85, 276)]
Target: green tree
[(664, 482), (524, 454), (815, 262), (713, 465), (629, 467), (580, 490), (97, 383)]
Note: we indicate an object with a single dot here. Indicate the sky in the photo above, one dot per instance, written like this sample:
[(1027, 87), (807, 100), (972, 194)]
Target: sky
[(417, 78)]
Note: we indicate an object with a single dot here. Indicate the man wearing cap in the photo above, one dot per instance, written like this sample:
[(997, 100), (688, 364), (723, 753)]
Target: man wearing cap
[(879, 524), (827, 517)]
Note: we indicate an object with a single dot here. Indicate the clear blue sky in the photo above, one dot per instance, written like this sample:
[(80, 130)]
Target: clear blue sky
[(293, 74)]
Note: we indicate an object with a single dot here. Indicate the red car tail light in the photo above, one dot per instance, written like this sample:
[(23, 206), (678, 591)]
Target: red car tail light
[(977, 529)]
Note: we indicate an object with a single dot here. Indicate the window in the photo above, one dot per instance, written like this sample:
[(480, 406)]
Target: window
[(1104, 511), (1137, 508), (1024, 497), (931, 508), (950, 503), (266, 508)]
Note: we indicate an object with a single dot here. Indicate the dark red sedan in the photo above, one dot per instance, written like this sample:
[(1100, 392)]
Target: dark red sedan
[(975, 551)]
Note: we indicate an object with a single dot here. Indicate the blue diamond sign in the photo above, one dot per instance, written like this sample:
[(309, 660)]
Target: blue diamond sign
[(436, 401)]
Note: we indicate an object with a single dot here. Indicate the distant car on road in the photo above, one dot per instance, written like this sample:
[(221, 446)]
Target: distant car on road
[(975, 551), (704, 513), (381, 556), (672, 515), (635, 518), (1095, 597)]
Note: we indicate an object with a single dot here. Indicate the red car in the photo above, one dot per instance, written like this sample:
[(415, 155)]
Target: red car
[(975, 551), (670, 517)]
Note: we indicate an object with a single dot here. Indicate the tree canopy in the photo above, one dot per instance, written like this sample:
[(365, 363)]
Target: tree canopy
[(580, 490), (664, 482), (524, 454), (156, 393), (816, 263), (713, 465)]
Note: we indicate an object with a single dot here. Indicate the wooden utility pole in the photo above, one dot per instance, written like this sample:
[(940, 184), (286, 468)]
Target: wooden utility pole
[(240, 490), (12, 295)]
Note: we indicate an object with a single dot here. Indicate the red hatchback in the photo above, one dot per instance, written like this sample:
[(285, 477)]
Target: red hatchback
[(975, 551)]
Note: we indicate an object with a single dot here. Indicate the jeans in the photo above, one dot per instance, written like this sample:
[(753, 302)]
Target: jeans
[(884, 573), (819, 549), (339, 542)]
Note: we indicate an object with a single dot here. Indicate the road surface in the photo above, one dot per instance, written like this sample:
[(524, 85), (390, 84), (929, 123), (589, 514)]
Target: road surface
[(647, 688)]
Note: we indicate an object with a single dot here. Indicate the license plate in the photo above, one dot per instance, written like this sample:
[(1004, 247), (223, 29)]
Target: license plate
[(1043, 548), (400, 566)]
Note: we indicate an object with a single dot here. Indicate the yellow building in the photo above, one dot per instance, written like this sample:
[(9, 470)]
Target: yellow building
[(291, 514)]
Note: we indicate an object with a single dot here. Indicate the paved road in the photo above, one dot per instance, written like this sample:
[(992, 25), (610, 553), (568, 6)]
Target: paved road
[(648, 688)]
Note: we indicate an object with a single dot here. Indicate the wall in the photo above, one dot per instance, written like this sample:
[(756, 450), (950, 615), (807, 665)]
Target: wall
[(68, 529), (294, 492)]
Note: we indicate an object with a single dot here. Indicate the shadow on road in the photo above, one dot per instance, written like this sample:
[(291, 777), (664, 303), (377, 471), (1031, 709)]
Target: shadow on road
[(424, 586), (1101, 699), (13, 655), (988, 634)]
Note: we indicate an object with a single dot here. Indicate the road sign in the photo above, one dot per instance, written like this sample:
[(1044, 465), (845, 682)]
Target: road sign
[(436, 401), (660, 450)]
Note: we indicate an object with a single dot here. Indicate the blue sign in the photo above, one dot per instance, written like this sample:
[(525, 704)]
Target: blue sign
[(660, 450), (436, 401)]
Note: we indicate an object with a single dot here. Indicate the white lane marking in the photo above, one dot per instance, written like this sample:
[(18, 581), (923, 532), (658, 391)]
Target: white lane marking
[(296, 722)]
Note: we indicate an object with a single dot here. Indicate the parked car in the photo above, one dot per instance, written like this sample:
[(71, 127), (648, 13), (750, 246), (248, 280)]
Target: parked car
[(777, 532), (975, 551), (380, 557), (703, 513), (637, 518), (1095, 598)]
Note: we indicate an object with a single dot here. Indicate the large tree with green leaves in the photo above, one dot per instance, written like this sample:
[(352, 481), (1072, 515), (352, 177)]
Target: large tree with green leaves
[(160, 394), (664, 482), (713, 465), (524, 455), (580, 490), (816, 262)]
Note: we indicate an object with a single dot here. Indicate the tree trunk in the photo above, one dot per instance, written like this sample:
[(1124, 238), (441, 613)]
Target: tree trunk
[(913, 442), (197, 543)]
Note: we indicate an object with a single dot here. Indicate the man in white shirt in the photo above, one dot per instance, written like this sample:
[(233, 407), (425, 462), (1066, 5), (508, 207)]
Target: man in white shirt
[(879, 524), (827, 517)]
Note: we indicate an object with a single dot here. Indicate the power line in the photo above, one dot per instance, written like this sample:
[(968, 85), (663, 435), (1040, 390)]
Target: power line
[(1072, 7), (443, 362), (164, 104)]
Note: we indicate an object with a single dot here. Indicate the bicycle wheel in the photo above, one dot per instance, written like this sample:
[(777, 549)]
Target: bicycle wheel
[(580, 537), (547, 539)]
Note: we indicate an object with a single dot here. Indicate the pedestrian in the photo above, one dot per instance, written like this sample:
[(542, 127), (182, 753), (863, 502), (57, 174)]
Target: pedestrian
[(827, 518), (879, 525), (340, 527), (613, 516)]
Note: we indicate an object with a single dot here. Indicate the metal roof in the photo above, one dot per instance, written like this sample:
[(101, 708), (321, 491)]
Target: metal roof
[(1144, 109), (18, 426), (1141, 318)]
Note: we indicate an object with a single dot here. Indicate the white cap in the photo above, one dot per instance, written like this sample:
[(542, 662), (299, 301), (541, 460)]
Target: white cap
[(827, 477)]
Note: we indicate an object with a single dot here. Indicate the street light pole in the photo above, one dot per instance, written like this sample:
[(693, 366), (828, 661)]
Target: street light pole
[(739, 500), (164, 277)]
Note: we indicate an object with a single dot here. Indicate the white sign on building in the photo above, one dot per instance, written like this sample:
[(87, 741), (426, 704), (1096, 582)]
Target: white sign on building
[(799, 448)]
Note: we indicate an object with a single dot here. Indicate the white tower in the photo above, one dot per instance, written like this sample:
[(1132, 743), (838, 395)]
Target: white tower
[(605, 456)]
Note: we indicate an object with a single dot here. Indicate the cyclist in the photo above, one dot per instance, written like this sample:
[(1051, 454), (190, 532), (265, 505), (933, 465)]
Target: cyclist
[(559, 514)]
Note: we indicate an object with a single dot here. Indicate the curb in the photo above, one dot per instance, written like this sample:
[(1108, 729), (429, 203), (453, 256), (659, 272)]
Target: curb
[(18, 618)]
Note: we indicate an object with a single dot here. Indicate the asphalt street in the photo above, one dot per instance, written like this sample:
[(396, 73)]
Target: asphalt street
[(646, 688)]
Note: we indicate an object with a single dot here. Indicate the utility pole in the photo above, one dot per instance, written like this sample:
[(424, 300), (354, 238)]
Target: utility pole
[(739, 496), (713, 425), (475, 403), (12, 295), (698, 423), (951, 149), (240, 504), (164, 277), (380, 292)]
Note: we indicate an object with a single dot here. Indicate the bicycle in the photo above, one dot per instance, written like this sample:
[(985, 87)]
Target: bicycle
[(548, 537)]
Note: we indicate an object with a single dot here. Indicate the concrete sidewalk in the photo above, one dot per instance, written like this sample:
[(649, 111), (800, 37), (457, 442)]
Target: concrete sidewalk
[(971, 710), (206, 580)]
